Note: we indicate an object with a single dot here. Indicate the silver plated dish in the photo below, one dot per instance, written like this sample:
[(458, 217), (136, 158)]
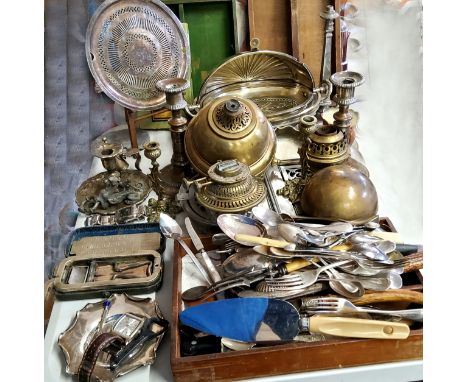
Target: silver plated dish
[(279, 84), (85, 325), (131, 45)]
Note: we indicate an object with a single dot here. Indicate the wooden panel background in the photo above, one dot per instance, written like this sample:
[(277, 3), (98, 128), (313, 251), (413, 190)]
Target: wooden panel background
[(295, 27), (307, 30), (270, 22)]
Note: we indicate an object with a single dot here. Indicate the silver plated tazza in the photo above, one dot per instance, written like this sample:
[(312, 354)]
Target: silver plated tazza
[(131, 45)]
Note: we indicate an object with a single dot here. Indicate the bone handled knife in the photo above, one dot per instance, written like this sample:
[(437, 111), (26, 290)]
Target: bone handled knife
[(215, 277), (355, 327)]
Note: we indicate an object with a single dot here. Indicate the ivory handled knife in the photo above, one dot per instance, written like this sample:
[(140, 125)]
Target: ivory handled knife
[(214, 275)]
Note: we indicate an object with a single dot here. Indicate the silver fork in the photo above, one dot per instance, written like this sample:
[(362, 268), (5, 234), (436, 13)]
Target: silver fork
[(341, 305), (301, 279)]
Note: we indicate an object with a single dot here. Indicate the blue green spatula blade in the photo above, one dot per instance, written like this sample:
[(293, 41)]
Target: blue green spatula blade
[(245, 319)]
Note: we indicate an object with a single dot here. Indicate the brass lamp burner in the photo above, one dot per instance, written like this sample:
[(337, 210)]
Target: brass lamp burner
[(323, 146), (230, 188), (327, 146), (232, 117)]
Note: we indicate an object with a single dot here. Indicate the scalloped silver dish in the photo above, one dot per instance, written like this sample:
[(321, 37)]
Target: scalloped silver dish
[(75, 339)]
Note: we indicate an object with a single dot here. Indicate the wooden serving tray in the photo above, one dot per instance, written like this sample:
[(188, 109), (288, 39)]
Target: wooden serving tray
[(293, 357)]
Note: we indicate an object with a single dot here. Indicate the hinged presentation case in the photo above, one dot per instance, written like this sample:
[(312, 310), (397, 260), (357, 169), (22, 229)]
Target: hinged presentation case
[(110, 259)]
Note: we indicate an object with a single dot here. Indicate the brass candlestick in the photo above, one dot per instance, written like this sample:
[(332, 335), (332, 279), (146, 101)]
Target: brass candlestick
[(345, 84), (169, 179), (152, 151), (174, 89), (112, 155)]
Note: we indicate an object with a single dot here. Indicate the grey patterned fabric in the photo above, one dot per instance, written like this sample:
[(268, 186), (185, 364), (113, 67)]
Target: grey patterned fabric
[(74, 115)]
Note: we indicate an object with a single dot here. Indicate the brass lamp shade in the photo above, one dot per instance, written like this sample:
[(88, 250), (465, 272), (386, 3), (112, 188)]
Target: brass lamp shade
[(340, 192), (227, 128)]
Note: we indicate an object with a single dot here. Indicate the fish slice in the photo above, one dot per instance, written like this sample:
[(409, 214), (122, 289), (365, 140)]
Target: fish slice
[(271, 320)]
